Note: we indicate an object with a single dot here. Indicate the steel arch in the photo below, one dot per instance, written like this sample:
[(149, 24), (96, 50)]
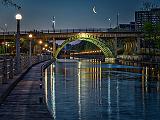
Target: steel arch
[(90, 38)]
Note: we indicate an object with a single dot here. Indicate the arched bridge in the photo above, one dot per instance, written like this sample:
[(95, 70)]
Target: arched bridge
[(108, 41)]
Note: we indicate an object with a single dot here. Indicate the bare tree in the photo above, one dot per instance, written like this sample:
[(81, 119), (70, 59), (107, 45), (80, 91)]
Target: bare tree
[(10, 3)]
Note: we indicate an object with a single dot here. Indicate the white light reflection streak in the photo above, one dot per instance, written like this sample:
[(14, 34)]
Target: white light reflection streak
[(79, 89), (51, 78), (46, 75), (109, 96), (117, 98), (143, 90), (53, 91), (100, 80), (146, 80)]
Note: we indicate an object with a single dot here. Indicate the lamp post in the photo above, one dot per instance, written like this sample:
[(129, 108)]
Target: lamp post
[(5, 38), (18, 18), (40, 43), (30, 49), (53, 24), (109, 22)]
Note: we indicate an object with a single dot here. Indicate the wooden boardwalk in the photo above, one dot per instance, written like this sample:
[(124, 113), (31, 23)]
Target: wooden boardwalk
[(23, 103)]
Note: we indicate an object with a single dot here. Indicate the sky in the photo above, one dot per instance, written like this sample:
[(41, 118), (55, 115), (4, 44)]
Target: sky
[(37, 14)]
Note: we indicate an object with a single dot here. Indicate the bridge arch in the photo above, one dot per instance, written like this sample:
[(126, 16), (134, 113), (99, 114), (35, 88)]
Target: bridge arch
[(90, 38)]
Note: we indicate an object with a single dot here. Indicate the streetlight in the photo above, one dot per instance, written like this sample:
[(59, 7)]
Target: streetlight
[(40, 43), (109, 22), (30, 49), (46, 45), (53, 24), (18, 18)]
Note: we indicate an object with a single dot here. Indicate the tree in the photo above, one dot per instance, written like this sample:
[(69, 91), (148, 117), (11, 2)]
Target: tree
[(24, 45), (152, 35), (148, 30), (157, 35)]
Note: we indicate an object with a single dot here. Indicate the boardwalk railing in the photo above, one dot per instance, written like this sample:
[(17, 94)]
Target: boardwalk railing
[(7, 66)]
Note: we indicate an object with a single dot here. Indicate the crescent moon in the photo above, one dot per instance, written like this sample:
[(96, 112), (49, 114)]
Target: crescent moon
[(94, 9)]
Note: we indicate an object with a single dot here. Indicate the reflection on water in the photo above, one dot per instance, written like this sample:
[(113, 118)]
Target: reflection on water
[(97, 91)]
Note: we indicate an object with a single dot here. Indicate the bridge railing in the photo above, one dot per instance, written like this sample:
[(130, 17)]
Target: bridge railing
[(8, 66), (77, 30), (67, 31)]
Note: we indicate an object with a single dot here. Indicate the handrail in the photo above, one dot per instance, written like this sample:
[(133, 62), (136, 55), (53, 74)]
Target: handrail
[(88, 30), (7, 65)]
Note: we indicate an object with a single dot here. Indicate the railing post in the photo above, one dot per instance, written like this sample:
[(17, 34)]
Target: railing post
[(4, 79), (11, 68)]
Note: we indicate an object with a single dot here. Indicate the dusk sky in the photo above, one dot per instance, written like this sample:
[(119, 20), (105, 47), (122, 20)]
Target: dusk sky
[(37, 14)]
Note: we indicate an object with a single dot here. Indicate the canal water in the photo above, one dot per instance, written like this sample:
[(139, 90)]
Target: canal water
[(83, 90)]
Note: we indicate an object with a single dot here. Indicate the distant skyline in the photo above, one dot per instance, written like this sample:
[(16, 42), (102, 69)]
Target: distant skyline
[(38, 14)]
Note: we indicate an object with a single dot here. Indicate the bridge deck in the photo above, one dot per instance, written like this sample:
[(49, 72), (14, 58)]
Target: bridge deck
[(23, 102)]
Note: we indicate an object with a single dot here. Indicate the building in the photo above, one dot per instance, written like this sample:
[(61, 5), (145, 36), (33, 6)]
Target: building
[(142, 17), (127, 27)]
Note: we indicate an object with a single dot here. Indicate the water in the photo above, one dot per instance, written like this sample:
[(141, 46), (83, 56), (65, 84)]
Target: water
[(97, 91)]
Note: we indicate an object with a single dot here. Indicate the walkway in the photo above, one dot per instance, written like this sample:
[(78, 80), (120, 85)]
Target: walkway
[(23, 102)]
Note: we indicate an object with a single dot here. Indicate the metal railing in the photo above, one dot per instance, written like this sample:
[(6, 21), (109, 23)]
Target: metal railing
[(87, 30), (7, 66)]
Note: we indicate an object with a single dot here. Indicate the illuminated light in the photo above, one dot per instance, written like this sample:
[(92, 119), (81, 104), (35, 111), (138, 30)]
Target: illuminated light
[(43, 48), (18, 17), (83, 35), (30, 36), (40, 42), (51, 48), (46, 45)]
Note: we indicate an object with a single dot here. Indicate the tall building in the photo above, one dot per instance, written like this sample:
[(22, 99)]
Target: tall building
[(142, 17)]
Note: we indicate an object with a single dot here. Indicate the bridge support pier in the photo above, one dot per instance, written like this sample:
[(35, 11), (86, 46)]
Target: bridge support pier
[(54, 47), (115, 46), (138, 44)]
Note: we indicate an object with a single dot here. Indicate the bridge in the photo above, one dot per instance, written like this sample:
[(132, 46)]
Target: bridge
[(108, 41)]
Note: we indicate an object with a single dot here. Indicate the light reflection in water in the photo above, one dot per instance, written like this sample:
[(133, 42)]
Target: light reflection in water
[(46, 92), (79, 90), (50, 93), (53, 92), (109, 96), (88, 90), (117, 98)]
